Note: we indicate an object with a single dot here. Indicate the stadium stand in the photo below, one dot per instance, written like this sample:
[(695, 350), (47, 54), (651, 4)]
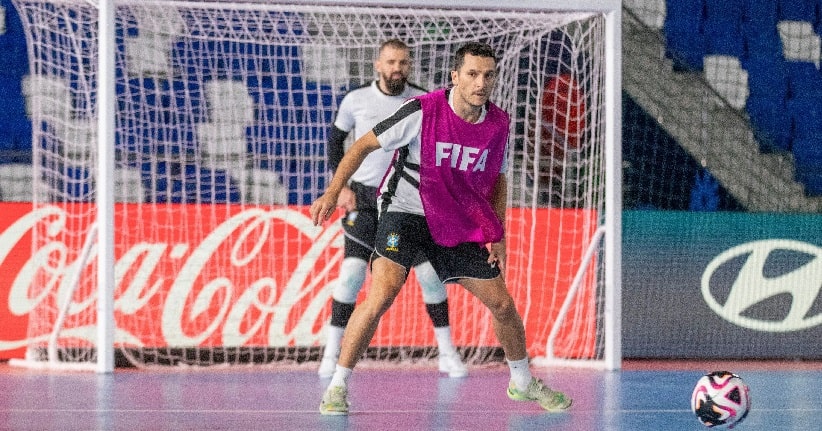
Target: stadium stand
[(776, 44), (183, 129)]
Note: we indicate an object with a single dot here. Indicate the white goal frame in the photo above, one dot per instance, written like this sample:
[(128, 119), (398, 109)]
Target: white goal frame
[(609, 234)]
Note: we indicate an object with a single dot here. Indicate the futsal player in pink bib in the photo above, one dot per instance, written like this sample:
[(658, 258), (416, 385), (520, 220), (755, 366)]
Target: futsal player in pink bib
[(359, 111), (444, 195)]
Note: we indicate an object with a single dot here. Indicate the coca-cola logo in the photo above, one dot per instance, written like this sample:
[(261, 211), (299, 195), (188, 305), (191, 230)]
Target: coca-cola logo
[(189, 275), (260, 276)]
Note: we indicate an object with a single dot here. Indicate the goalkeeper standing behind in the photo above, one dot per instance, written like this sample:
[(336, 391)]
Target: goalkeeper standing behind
[(359, 111)]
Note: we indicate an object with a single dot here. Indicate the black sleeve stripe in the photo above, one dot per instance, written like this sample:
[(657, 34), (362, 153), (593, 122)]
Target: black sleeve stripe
[(412, 166), (408, 108), (336, 147), (391, 188)]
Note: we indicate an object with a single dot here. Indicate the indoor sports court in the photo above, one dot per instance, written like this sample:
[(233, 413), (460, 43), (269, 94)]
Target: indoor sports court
[(649, 396), (664, 192)]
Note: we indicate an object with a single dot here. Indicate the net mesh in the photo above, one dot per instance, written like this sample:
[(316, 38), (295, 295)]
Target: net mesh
[(222, 111)]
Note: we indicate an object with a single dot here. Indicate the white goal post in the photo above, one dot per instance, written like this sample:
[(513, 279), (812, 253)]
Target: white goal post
[(192, 135)]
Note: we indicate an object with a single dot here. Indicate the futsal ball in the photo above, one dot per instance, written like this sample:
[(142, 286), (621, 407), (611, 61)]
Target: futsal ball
[(721, 399)]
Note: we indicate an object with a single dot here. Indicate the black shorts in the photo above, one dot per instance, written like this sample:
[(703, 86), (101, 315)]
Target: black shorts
[(361, 225), (360, 229), (401, 237)]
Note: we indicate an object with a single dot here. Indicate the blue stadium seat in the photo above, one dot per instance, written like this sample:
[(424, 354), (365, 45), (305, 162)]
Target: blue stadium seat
[(760, 13), (13, 23), (292, 108), (720, 40), (686, 50), (759, 28), (221, 60), (17, 134), (806, 114), (158, 113), (187, 100), (305, 181), (146, 91), (804, 79), (811, 177), (808, 161), (704, 192), (15, 127), (722, 28), (179, 183), (74, 185), (762, 41), (320, 98), (725, 13), (682, 11), (11, 96), (770, 122), (767, 77), (798, 10), (15, 56), (685, 41), (807, 151), (264, 142)]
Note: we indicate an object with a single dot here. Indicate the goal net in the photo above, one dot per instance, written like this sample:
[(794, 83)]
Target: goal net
[(222, 111)]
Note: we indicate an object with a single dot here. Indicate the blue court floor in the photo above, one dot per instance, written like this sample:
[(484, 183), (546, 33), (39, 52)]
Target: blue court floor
[(641, 396)]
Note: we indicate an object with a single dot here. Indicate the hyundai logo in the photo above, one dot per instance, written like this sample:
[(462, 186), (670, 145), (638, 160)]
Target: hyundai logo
[(755, 295)]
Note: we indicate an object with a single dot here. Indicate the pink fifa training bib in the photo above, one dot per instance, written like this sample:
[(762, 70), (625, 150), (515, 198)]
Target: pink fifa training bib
[(460, 164)]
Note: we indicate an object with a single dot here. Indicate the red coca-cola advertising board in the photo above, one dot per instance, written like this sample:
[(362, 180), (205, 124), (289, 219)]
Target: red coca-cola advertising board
[(232, 275)]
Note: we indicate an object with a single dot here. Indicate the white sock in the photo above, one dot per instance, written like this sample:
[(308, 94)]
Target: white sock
[(340, 378), (520, 373), (332, 343), (444, 343)]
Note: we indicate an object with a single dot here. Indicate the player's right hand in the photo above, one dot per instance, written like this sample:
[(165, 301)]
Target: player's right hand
[(322, 208)]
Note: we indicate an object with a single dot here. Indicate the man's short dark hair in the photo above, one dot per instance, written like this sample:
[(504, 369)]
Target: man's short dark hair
[(473, 48), (394, 43)]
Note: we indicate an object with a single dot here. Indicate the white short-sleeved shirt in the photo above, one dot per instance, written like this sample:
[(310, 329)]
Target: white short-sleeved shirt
[(360, 110)]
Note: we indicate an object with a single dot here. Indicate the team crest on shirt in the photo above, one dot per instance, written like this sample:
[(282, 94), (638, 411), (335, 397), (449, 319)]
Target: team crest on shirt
[(392, 242)]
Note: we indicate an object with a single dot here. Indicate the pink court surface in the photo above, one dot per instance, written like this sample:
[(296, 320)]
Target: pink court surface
[(643, 395)]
